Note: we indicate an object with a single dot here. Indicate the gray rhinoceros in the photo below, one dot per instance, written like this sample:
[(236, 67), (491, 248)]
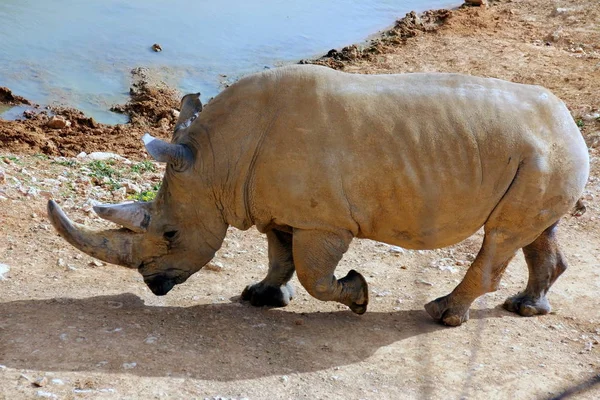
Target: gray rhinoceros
[(314, 158)]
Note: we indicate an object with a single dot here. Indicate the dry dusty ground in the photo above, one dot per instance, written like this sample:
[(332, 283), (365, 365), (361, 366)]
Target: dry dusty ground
[(95, 331)]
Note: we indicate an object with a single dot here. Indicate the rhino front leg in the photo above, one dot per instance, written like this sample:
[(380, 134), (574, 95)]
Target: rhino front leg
[(316, 254), (275, 290)]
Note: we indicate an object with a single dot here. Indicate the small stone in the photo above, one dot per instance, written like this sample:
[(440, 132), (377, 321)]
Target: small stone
[(132, 188), (475, 2), (156, 47), (423, 282), (47, 395), (58, 382), (61, 263), (4, 269), (41, 382), (175, 113), (215, 266), (150, 340), (83, 154), (104, 156), (58, 122), (96, 263), (397, 250), (129, 365), (2, 177), (298, 322), (284, 378)]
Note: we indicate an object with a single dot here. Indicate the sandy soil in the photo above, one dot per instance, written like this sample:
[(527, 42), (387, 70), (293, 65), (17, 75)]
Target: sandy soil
[(95, 331)]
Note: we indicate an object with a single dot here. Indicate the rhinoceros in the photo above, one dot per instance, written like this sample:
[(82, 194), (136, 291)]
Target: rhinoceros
[(315, 157)]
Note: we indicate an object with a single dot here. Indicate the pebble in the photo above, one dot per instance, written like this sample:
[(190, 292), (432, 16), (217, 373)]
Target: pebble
[(4, 269), (129, 365), (41, 382), (397, 250), (132, 188), (47, 395), (215, 266), (2, 177), (58, 382), (104, 156), (423, 282), (58, 122), (150, 340)]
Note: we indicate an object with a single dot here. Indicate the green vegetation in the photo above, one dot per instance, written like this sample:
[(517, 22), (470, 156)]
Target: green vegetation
[(66, 163), (146, 195), (580, 122), (144, 166)]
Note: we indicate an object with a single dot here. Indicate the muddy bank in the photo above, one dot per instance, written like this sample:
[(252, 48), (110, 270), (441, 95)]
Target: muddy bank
[(7, 97), (405, 28), (61, 131)]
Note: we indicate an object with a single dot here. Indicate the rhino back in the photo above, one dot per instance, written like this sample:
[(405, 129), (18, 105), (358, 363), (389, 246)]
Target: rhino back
[(418, 160)]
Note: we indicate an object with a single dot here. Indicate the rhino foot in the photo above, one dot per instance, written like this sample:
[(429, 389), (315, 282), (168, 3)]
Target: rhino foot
[(356, 285), (443, 311), (261, 294), (527, 305)]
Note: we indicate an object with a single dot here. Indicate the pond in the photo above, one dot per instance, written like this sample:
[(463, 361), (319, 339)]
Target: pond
[(79, 53)]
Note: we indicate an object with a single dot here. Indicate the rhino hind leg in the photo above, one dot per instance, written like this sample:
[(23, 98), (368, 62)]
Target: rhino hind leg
[(317, 254), (546, 263), (275, 290)]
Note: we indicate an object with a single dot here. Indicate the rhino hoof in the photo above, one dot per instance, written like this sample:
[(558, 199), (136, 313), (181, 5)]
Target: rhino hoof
[(357, 285), (441, 311), (261, 294), (527, 306)]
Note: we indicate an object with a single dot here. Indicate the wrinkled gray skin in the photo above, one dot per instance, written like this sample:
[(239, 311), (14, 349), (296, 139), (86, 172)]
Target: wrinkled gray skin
[(314, 158)]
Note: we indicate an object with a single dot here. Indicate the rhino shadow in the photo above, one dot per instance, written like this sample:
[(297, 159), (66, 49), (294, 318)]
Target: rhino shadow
[(223, 342)]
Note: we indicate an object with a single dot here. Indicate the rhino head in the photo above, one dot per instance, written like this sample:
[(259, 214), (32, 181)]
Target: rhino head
[(167, 239)]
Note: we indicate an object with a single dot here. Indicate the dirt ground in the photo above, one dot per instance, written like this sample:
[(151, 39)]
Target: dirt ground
[(84, 329)]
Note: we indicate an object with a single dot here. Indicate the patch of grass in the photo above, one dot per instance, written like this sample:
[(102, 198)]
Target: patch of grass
[(41, 156), (101, 169), (12, 160), (66, 163), (580, 122), (144, 166), (146, 195)]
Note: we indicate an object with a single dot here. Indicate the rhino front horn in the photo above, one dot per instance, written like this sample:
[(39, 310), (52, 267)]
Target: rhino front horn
[(178, 155)]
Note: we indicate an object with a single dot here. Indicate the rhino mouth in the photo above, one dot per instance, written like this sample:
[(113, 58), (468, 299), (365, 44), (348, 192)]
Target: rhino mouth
[(160, 285)]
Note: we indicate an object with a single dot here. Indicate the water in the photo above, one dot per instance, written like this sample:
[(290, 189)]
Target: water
[(79, 52)]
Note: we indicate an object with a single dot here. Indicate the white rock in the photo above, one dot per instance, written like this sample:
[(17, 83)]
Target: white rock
[(397, 249), (129, 365), (103, 156), (57, 381), (83, 154), (4, 269), (47, 395), (131, 187)]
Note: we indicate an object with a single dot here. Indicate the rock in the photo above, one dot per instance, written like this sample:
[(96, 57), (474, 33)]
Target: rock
[(129, 365), (61, 263), (83, 154), (41, 382), (47, 395), (58, 122), (592, 116), (103, 156), (120, 193), (4, 269), (475, 2), (397, 250), (96, 263), (2, 177), (175, 113), (215, 266), (132, 188), (58, 382), (424, 282), (156, 47)]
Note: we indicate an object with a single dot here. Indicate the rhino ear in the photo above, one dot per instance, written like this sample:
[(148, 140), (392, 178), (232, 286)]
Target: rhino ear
[(189, 110), (179, 156)]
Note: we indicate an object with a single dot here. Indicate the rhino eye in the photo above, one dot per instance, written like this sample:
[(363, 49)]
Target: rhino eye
[(169, 235)]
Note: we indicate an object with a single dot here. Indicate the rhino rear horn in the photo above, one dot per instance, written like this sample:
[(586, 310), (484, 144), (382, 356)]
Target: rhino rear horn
[(178, 155), (189, 110), (133, 216)]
